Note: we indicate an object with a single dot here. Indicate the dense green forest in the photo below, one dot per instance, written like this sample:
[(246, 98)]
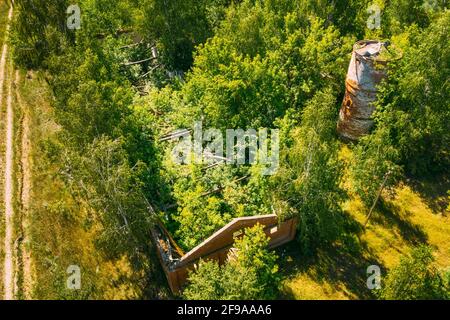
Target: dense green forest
[(135, 71)]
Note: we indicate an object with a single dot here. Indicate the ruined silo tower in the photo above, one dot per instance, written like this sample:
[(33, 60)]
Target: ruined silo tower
[(367, 69)]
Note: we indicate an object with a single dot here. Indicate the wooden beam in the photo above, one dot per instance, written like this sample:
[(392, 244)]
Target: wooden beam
[(137, 62)]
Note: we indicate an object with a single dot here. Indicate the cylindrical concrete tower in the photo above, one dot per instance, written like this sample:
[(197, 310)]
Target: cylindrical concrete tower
[(367, 69)]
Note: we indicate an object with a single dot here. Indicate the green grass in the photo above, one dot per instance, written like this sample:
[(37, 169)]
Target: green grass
[(414, 213), (56, 241), (3, 20)]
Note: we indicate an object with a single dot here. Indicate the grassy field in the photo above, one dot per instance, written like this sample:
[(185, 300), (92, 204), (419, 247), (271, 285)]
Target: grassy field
[(62, 232), (55, 240), (404, 218), (3, 19)]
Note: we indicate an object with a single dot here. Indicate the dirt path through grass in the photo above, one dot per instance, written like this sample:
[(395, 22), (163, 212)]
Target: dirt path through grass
[(8, 271)]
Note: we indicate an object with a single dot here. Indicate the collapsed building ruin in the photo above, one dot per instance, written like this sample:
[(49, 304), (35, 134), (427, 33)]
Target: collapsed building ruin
[(177, 264)]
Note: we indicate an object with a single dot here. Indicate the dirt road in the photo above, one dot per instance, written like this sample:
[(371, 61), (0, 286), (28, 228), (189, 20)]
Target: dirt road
[(8, 270)]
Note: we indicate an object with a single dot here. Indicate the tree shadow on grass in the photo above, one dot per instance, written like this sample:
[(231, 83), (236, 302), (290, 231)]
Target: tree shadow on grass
[(336, 267), (433, 190), (390, 216), (156, 285), (342, 264)]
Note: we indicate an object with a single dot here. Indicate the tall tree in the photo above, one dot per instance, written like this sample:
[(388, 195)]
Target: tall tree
[(413, 104), (307, 184)]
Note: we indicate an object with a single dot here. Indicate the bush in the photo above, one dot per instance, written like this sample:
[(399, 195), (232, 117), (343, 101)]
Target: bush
[(415, 278), (250, 273)]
